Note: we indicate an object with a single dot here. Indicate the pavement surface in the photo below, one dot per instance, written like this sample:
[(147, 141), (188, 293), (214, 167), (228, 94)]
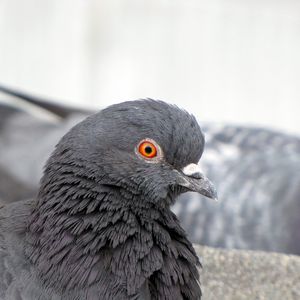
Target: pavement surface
[(242, 274)]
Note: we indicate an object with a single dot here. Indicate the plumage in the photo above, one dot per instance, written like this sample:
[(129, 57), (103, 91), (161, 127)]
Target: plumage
[(101, 226)]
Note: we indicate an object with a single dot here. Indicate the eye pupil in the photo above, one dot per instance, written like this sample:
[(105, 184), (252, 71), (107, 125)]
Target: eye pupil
[(148, 149)]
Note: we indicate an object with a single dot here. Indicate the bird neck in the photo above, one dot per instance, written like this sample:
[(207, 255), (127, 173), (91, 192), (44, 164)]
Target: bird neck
[(81, 233)]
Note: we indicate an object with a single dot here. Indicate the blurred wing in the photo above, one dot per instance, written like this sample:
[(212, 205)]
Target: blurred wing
[(50, 106), (26, 142)]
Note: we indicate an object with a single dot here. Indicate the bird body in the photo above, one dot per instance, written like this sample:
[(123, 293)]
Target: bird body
[(101, 226)]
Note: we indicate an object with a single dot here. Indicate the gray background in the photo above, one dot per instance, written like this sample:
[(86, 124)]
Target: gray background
[(236, 61)]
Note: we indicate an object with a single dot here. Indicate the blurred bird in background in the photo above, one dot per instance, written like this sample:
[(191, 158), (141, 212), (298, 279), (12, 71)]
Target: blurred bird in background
[(256, 172)]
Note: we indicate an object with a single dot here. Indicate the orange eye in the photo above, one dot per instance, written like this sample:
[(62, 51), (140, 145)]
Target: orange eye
[(147, 149)]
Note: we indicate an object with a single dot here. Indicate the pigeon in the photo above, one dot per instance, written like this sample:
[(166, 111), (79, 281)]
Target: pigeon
[(101, 226)]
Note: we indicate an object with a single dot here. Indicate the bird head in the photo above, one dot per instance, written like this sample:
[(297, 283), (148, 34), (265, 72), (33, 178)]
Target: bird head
[(143, 148), (107, 189)]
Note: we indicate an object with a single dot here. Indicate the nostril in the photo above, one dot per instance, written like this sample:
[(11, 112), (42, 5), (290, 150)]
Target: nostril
[(193, 170)]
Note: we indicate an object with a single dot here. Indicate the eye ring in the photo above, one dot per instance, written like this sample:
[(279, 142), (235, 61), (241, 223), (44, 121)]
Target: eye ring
[(148, 149)]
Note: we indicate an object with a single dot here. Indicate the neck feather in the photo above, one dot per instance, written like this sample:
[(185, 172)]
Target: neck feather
[(82, 234)]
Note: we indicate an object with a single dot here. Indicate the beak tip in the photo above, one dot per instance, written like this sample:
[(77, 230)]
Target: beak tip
[(213, 195), (195, 181), (210, 191)]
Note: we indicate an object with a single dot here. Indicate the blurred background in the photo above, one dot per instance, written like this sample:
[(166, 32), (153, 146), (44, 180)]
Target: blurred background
[(235, 64), (235, 61)]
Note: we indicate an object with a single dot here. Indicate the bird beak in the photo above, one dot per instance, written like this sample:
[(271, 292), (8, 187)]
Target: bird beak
[(195, 181)]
